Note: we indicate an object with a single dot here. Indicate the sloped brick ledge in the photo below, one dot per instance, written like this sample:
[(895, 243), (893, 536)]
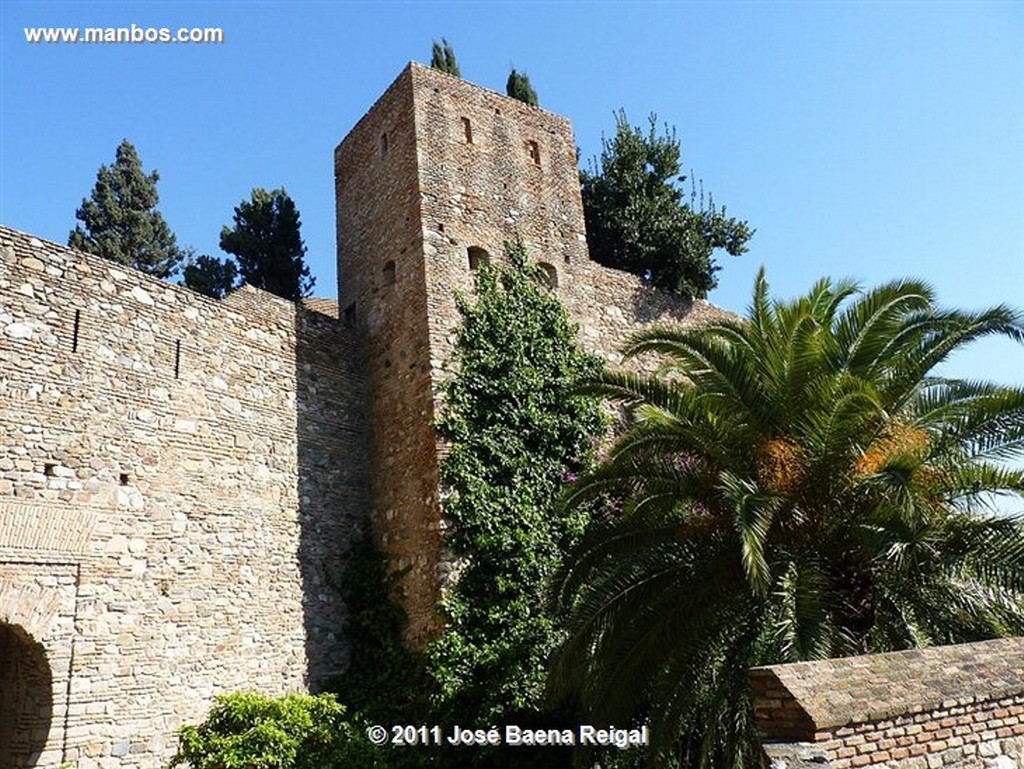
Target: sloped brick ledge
[(952, 706)]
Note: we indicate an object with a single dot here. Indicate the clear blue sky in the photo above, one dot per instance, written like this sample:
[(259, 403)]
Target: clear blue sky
[(872, 140)]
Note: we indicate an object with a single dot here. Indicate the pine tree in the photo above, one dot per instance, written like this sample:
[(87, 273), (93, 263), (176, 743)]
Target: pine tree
[(209, 275), (442, 57), (120, 219), (268, 246), (518, 87)]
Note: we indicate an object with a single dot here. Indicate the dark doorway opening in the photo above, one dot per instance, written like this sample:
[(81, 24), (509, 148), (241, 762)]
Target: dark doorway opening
[(26, 698)]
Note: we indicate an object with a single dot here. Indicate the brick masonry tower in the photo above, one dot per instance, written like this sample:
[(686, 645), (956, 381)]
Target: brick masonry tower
[(431, 182)]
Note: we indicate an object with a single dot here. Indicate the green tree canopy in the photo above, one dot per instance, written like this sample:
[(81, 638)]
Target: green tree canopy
[(516, 432), (442, 57), (795, 485), (638, 220), (518, 87), (209, 275), (266, 242), (119, 221)]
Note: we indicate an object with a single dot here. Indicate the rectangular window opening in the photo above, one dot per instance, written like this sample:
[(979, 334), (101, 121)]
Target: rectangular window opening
[(348, 316), (74, 331), (467, 130), (125, 479), (383, 144), (49, 469), (534, 152), (477, 257), (177, 358)]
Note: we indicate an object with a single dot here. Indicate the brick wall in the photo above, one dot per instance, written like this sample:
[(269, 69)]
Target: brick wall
[(179, 480), (951, 706)]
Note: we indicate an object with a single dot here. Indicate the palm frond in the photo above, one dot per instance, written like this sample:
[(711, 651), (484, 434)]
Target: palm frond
[(865, 329), (753, 511)]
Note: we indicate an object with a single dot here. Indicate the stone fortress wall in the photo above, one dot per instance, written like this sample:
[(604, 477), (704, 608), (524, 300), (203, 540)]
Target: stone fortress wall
[(179, 479)]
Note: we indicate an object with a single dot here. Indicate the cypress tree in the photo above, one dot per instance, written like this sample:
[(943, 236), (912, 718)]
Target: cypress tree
[(518, 87), (268, 246), (120, 221), (442, 57)]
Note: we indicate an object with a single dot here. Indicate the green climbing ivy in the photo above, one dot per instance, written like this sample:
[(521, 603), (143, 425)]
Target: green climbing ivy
[(517, 433), (385, 680)]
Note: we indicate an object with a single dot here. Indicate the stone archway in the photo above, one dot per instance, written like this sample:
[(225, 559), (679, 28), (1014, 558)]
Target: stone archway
[(26, 698)]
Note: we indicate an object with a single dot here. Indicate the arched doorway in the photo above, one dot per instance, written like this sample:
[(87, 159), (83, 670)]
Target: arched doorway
[(26, 698)]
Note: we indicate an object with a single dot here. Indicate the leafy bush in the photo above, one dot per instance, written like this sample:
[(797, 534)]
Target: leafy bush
[(250, 731)]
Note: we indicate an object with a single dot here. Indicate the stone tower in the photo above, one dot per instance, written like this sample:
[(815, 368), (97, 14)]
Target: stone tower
[(432, 181)]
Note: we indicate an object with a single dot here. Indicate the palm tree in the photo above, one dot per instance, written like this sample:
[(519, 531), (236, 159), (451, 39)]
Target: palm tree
[(795, 485)]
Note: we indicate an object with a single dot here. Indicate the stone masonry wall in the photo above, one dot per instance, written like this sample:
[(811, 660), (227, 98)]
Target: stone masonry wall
[(179, 481), (515, 175), (382, 287), (180, 478), (464, 170), (954, 706)]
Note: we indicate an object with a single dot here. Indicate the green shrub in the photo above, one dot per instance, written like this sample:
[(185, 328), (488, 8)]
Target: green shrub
[(250, 731)]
